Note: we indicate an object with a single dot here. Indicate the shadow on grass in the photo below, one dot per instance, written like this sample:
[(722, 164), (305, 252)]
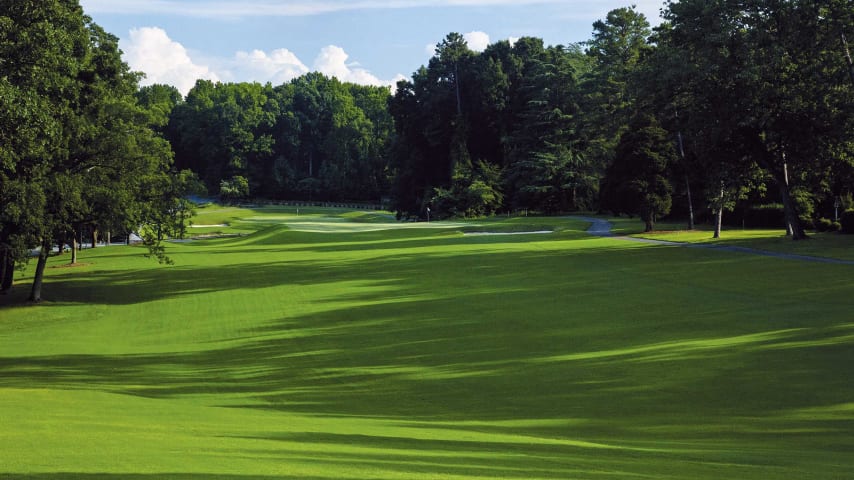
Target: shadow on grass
[(635, 345), (121, 287), (147, 476), (443, 457), (431, 343)]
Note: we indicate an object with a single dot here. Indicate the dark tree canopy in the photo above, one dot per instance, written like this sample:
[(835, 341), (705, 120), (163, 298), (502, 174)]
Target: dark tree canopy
[(82, 151), (636, 183)]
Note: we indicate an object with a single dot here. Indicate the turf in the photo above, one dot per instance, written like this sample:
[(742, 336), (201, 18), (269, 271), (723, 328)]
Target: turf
[(361, 350), (826, 244)]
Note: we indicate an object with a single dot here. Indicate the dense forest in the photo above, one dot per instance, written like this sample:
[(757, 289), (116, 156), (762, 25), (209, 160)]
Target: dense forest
[(312, 138), (724, 106)]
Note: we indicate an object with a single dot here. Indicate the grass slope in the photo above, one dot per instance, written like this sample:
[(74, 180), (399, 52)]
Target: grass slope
[(423, 353)]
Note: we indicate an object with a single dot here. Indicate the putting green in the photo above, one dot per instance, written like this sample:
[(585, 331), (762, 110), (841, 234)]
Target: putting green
[(331, 345)]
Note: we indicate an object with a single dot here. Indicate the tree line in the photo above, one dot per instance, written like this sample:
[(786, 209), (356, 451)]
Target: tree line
[(312, 138), (724, 104), (78, 150)]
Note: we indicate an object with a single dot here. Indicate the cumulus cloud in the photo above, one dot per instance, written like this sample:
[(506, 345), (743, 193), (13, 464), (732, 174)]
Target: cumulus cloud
[(277, 67), (332, 62), (150, 50), (430, 49), (163, 60), (478, 41)]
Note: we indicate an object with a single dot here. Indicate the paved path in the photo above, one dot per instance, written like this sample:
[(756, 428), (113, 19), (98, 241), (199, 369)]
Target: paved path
[(602, 228)]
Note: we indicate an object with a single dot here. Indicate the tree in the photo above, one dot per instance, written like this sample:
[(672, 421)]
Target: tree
[(225, 130), (95, 146), (474, 192), (636, 182), (235, 188), (159, 100), (511, 107), (36, 75), (620, 44), (769, 79), (546, 172)]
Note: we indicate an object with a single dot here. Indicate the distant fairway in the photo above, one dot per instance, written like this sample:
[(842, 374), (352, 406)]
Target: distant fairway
[(344, 345)]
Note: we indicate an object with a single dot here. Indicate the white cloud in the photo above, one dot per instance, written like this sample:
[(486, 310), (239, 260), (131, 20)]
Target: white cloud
[(277, 67), (430, 48), (150, 50), (163, 60), (477, 41), (332, 62)]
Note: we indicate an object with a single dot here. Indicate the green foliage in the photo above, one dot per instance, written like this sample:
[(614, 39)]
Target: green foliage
[(513, 107), (475, 192), (636, 182), (608, 89), (313, 130), (778, 70), (159, 101), (235, 188), (827, 225), (84, 150)]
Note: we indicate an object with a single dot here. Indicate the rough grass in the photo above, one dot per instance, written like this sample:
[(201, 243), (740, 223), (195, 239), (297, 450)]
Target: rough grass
[(424, 353)]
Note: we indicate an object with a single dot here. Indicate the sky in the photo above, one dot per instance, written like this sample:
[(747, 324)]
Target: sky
[(369, 42)]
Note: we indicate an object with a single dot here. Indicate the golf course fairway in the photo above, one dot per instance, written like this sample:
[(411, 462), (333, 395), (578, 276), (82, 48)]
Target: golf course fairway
[(342, 345)]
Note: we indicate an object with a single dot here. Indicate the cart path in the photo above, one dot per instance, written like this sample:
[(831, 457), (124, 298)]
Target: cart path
[(602, 228)]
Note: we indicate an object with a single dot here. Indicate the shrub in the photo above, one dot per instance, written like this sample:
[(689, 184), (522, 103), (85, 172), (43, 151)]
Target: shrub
[(234, 189), (805, 205), (824, 225), (847, 221), (835, 227)]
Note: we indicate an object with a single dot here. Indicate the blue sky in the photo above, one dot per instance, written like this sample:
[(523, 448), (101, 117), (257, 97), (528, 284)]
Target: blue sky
[(364, 41)]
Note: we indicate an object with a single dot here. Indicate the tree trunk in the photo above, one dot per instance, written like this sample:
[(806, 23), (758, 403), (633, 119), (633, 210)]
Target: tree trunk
[(848, 57), (457, 87), (94, 237), (719, 213), (719, 217), (183, 225), (109, 238), (690, 205), (74, 247), (793, 222), (649, 220), (687, 181), (7, 271), (790, 229), (36, 292)]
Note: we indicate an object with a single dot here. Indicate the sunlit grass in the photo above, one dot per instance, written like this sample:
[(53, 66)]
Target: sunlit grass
[(421, 352), (829, 244)]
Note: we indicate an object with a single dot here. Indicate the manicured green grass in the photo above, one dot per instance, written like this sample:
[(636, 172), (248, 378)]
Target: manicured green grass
[(829, 244), (356, 351)]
